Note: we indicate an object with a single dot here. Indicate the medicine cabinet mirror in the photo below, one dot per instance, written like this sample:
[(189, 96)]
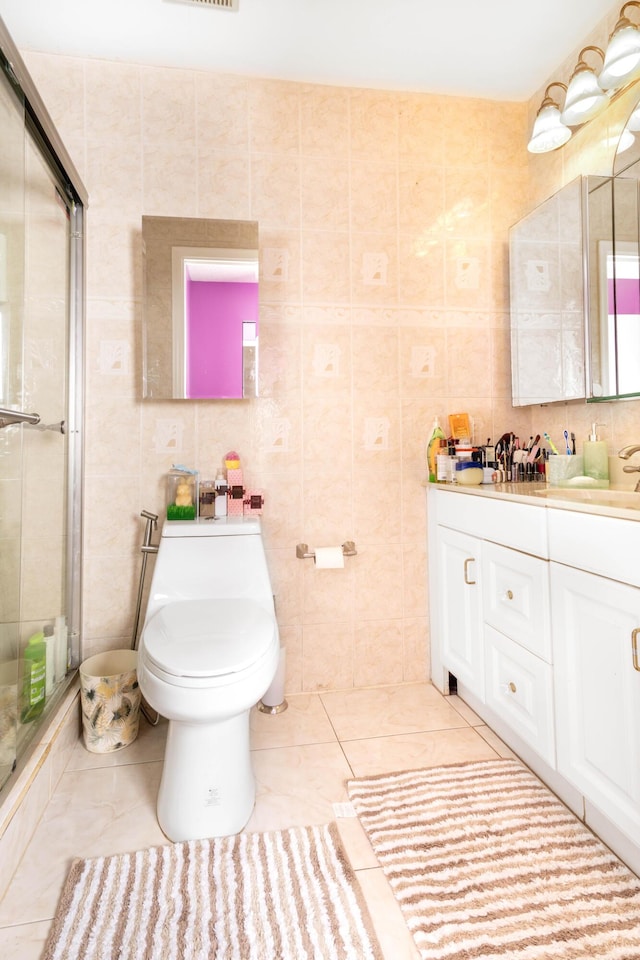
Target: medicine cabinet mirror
[(549, 299), (575, 287), (200, 325)]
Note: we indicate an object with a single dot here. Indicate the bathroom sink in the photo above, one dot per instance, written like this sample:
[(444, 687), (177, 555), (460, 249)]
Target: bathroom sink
[(627, 499)]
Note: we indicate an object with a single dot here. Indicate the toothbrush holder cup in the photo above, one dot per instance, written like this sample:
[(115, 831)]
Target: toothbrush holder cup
[(561, 468)]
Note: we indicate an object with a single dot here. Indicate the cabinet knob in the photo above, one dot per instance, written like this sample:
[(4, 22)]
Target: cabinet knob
[(512, 686), (634, 648), (509, 594)]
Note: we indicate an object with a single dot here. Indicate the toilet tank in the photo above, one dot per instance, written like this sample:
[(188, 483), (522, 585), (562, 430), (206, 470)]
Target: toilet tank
[(210, 559)]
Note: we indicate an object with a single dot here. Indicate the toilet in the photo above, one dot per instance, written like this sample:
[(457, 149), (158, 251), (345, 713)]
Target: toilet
[(208, 651)]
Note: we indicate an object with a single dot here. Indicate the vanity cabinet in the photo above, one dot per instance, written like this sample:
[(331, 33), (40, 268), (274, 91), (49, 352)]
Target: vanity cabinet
[(548, 652)]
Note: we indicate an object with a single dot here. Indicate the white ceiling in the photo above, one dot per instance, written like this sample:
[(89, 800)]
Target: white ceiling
[(499, 49)]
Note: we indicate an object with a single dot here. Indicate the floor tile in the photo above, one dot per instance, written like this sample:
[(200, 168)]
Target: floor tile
[(494, 741), (92, 813), (24, 942), (379, 712), (304, 721), (465, 711), (105, 804), (356, 843), (412, 751), (148, 746), (395, 940), (297, 786)]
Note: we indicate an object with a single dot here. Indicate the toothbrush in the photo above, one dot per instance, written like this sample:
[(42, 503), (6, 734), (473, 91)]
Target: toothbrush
[(550, 442), (566, 442)]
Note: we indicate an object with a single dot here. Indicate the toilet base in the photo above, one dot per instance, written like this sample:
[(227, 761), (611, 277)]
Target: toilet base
[(272, 710), (207, 787)]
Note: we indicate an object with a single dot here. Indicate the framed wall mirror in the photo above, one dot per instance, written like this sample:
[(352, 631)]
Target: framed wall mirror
[(200, 322), (575, 289)]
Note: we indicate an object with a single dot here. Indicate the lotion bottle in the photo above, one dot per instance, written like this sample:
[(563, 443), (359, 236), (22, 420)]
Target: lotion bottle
[(61, 645), (596, 457), (221, 491), (50, 659)]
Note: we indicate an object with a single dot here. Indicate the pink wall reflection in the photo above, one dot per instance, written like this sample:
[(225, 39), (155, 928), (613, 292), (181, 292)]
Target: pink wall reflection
[(216, 311)]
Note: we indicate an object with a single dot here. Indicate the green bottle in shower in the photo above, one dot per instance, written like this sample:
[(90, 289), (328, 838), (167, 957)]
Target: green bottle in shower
[(34, 679)]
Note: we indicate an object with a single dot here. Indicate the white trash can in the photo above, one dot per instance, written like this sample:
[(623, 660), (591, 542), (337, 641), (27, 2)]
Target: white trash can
[(110, 700)]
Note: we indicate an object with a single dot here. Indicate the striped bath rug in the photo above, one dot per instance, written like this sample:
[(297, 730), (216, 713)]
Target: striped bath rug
[(282, 895), (486, 862)]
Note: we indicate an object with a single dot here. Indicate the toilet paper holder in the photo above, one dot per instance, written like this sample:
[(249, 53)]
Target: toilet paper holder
[(303, 552)]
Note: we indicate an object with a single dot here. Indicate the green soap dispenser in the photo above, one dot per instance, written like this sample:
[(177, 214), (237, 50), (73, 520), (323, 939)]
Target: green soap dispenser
[(596, 457), (34, 679)]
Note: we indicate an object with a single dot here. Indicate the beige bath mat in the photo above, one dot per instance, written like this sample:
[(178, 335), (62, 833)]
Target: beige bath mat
[(283, 895), (486, 862)]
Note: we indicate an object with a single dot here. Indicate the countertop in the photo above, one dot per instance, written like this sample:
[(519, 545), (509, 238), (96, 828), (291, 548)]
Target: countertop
[(614, 501)]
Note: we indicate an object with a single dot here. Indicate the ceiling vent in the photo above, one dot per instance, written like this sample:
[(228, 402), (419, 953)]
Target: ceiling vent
[(220, 4)]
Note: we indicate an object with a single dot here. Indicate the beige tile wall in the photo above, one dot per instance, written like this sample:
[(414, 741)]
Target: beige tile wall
[(383, 221)]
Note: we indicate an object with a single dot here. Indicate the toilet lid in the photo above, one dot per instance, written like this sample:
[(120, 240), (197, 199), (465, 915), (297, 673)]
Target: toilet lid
[(208, 638)]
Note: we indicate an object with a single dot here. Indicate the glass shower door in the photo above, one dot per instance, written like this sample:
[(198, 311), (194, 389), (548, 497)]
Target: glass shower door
[(12, 160), (38, 516)]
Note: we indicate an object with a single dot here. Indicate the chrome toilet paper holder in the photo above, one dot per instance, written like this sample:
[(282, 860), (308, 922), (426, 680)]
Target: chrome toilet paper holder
[(303, 552)]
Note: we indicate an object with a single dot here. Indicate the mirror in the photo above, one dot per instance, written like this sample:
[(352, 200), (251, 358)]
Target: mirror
[(548, 299), (614, 328), (200, 324)]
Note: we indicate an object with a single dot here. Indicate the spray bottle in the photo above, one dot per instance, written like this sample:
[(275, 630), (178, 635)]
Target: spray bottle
[(436, 441)]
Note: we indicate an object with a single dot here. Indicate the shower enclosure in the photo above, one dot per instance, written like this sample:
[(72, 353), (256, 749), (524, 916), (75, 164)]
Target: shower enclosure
[(41, 298)]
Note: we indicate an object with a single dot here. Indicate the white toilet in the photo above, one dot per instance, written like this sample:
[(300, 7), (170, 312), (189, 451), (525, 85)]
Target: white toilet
[(209, 650)]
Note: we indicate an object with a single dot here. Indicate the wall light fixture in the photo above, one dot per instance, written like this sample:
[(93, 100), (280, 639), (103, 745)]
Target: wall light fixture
[(588, 94), (585, 97), (622, 60), (549, 132)]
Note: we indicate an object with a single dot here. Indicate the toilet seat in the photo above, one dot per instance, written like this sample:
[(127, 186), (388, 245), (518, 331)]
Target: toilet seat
[(202, 639)]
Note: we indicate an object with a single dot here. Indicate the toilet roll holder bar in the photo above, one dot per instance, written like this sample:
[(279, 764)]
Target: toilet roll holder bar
[(303, 552)]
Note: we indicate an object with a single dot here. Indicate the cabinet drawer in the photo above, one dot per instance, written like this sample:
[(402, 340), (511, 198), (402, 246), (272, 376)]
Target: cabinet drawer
[(515, 597), (519, 688), (501, 521), (608, 546)]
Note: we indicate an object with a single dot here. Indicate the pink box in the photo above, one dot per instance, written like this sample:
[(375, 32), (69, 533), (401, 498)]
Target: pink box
[(253, 503), (235, 496)]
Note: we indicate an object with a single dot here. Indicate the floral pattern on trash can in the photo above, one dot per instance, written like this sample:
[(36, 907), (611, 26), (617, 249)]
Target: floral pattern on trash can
[(110, 701)]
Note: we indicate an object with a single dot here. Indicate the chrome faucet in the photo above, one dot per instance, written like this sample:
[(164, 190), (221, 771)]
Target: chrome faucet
[(624, 454)]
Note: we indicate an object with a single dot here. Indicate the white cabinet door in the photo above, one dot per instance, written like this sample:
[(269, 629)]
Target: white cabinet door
[(458, 577), (597, 691)]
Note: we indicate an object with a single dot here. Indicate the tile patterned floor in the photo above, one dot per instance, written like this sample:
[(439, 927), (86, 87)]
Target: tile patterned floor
[(302, 759)]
